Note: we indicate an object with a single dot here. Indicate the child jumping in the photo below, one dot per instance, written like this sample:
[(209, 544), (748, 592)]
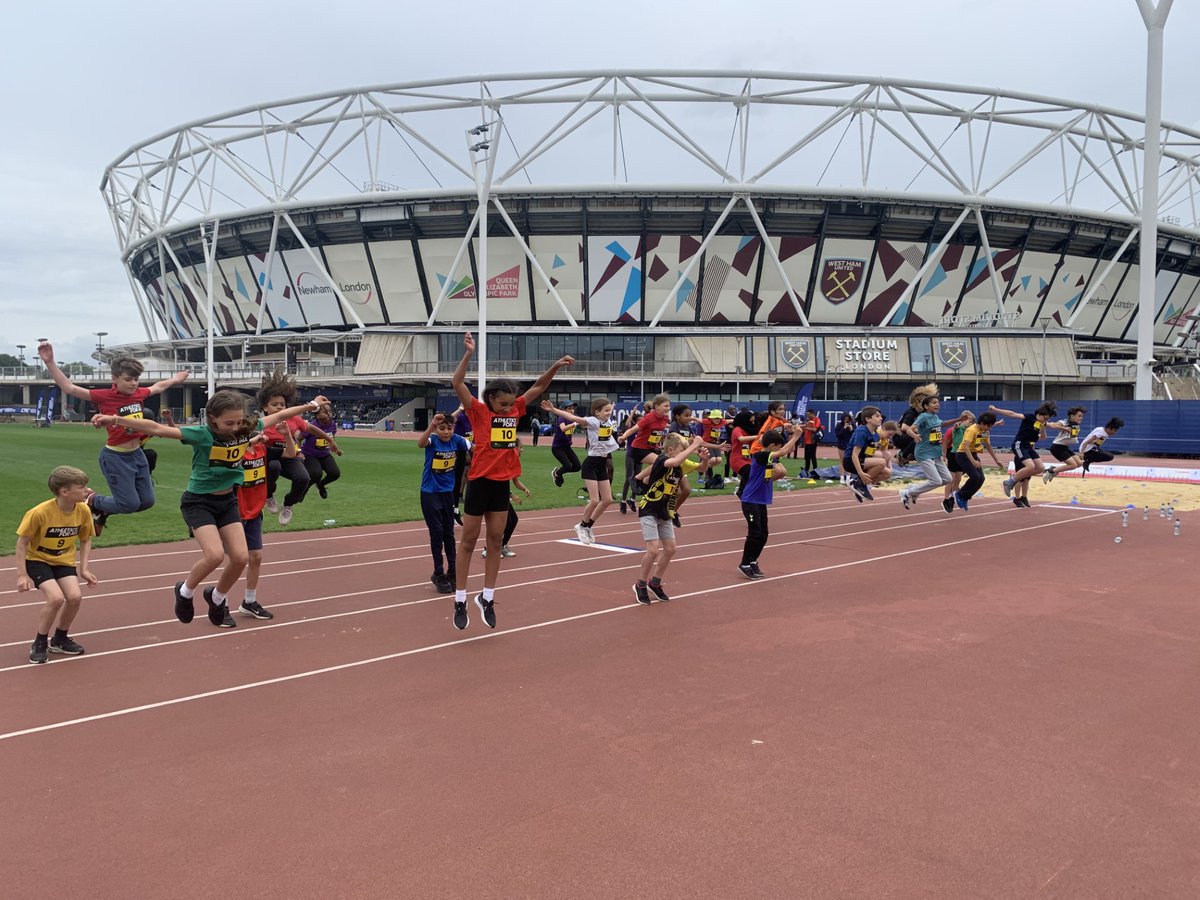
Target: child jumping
[(926, 432), (46, 559), (560, 445), (442, 448), (656, 506), (1026, 461), (122, 460), (494, 419), (251, 498), (209, 506), (758, 494), (278, 390), (598, 428), (974, 440), (318, 452), (1090, 448), (1063, 447)]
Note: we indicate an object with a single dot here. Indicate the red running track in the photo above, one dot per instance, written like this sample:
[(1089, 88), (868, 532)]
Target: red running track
[(995, 704)]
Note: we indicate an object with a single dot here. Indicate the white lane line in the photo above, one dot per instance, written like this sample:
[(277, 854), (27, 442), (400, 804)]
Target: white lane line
[(611, 548), (37, 729)]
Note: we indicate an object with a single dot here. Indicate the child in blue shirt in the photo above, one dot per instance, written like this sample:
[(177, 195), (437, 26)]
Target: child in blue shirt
[(758, 494), (862, 461), (443, 448)]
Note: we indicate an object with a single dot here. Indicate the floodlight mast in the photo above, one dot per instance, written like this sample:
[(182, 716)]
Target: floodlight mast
[(1155, 19)]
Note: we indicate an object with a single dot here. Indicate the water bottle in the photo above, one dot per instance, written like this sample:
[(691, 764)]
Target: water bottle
[(1124, 518), (1178, 527), (329, 523), (1146, 514), (1162, 511)]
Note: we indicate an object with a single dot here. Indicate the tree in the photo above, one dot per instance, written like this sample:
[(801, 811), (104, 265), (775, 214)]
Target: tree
[(79, 368), (7, 360)]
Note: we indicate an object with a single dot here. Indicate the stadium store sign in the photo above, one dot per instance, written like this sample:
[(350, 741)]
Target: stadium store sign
[(866, 354)]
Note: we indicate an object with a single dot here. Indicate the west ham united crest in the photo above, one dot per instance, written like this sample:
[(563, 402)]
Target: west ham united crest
[(953, 354), (840, 279), (794, 352)]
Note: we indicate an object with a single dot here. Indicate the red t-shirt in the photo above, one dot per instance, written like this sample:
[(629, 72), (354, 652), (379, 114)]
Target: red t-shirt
[(652, 428), (252, 492), (739, 456), (771, 423), (275, 437), (496, 441), (811, 427), (112, 402)]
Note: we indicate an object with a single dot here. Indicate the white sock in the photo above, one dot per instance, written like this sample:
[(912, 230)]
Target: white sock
[(187, 592), (250, 596), (488, 594), (460, 596), (219, 598)]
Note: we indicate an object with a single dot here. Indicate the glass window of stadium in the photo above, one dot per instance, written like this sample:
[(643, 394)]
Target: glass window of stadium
[(544, 349)]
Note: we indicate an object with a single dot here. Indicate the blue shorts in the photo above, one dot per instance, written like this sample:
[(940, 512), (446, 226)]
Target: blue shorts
[(253, 529), (1022, 451)]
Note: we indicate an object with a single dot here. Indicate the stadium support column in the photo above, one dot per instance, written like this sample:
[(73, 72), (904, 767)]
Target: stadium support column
[(485, 141), (1155, 19)]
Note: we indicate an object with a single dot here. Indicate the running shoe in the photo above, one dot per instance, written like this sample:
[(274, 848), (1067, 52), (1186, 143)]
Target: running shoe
[(642, 593), (39, 650), (591, 535), (506, 552), (185, 608), (272, 505), (675, 520), (959, 501), (255, 609), (285, 515), (853, 485), (657, 591), (488, 608), (746, 569), (862, 490), (1008, 485), (904, 498), (758, 573), (581, 534), (623, 505), (322, 492), (1016, 501), (1024, 502), (948, 504), (1048, 476), (65, 645), (460, 615), (558, 478), (218, 615)]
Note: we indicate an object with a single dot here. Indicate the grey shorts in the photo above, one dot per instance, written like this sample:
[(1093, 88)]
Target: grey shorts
[(656, 529)]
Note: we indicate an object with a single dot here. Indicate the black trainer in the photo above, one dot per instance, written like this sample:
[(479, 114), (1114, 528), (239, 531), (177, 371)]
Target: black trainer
[(457, 516), (218, 615), (65, 645), (488, 608), (1024, 502), (322, 492), (558, 477), (657, 591), (460, 615), (39, 652), (99, 520), (948, 504), (758, 573), (256, 609), (185, 608), (642, 594), (746, 569), (675, 520)]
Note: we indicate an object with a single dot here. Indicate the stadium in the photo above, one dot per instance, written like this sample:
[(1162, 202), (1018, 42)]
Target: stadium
[(728, 235)]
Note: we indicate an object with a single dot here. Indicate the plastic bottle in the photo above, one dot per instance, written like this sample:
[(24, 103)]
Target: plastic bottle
[(1125, 518), (1146, 514), (1178, 527), (329, 523)]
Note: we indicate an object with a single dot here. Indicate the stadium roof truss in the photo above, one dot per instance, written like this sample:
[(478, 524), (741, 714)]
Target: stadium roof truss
[(739, 135)]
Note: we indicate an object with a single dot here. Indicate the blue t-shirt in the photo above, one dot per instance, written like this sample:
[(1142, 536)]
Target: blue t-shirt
[(760, 487), (929, 427), (862, 441), (440, 456)]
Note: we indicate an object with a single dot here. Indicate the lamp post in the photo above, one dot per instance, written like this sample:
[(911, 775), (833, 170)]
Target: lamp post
[(1022, 379), (1045, 327), (100, 336), (21, 354)]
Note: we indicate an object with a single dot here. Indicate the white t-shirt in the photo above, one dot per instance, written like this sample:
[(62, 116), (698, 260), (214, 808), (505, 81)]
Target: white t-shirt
[(601, 436), (1096, 437), (1068, 438)]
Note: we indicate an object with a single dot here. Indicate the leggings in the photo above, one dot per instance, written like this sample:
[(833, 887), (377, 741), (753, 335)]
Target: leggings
[(1096, 456), (438, 510), (460, 470), (810, 457), (630, 485), (974, 477), (318, 465), (756, 531), (509, 526), (568, 461), (293, 470)]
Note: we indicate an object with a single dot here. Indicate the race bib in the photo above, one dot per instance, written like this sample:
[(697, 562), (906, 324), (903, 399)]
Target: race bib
[(504, 432), (1075, 431), (977, 445), (604, 432), (226, 455), (255, 472), (868, 451), (654, 438), (321, 443), (442, 463), (935, 437), (745, 451), (568, 430)]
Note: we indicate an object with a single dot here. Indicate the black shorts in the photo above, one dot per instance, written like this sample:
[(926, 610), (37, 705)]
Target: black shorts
[(485, 495), (41, 572), (640, 453), (597, 468), (952, 462), (1022, 451), (209, 509), (253, 529), (1062, 452)]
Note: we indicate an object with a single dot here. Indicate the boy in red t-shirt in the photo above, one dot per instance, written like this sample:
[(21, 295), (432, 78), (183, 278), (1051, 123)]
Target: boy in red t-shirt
[(494, 463), (122, 461), (252, 497)]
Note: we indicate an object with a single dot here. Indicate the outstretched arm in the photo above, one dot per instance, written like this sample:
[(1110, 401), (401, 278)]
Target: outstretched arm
[(787, 448), (1006, 412), (570, 417), (167, 383), (144, 426), (459, 379), (677, 460), (65, 384), (423, 440), (313, 404), (539, 387)]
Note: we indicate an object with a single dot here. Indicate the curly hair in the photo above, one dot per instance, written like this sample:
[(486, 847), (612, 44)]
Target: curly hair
[(920, 393), (278, 383)]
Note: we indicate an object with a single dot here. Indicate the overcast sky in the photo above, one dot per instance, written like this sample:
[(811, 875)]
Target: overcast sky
[(83, 82)]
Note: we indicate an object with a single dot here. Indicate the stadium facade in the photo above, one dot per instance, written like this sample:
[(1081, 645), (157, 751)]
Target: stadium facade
[(719, 232)]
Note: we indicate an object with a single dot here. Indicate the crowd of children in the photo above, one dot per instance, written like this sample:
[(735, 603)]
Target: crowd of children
[(472, 477)]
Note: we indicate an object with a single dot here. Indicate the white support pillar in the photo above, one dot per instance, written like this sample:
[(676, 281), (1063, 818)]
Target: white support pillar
[(926, 266), (266, 283), (1155, 19), (210, 262), (537, 266), (991, 264), (1096, 282), (770, 250), (337, 292), (448, 284), (695, 258)]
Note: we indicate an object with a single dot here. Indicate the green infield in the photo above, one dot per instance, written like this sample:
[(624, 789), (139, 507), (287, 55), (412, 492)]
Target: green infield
[(381, 482)]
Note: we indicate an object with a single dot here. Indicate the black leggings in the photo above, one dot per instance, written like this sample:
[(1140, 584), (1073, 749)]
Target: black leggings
[(1096, 456), (756, 531), (293, 470), (316, 466), (438, 510), (568, 461), (630, 485), (810, 457), (509, 526), (461, 460), (974, 477)]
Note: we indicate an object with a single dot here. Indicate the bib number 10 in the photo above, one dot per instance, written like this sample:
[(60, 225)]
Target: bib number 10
[(504, 437)]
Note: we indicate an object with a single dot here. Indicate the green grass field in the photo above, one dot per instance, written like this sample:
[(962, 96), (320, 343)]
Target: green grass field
[(381, 482)]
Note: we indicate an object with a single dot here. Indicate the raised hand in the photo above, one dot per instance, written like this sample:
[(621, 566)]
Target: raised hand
[(468, 342)]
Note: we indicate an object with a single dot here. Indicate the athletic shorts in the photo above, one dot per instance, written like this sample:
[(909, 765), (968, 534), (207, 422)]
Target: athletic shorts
[(952, 462), (41, 572), (640, 453), (1062, 452), (209, 509), (597, 468), (253, 529), (1022, 451), (485, 495), (656, 529)]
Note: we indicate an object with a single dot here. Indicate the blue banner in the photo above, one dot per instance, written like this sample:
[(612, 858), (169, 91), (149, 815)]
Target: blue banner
[(800, 407)]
